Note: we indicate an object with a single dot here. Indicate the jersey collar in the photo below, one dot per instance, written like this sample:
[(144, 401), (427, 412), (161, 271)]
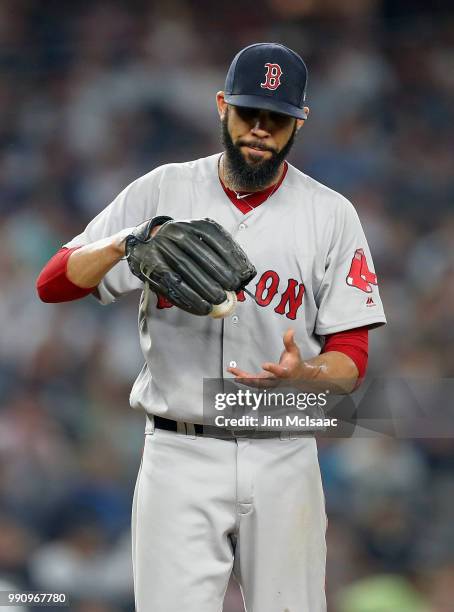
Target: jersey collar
[(256, 198)]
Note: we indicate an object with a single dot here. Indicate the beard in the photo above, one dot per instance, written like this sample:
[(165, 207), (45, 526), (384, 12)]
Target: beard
[(243, 176)]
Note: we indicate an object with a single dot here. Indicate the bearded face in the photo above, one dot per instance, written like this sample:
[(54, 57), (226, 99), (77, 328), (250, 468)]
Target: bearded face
[(253, 163)]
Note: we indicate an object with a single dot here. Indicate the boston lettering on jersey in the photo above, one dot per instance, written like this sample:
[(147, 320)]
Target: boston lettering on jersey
[(287, 302)]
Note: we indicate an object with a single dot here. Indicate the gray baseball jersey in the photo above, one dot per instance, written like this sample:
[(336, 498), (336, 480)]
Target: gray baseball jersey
[(314, 273)]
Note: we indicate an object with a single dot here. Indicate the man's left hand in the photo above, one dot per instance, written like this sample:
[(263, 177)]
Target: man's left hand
[(290, 366)]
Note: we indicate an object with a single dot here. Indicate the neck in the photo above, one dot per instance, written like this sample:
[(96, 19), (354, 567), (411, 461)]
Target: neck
[(229, 180)]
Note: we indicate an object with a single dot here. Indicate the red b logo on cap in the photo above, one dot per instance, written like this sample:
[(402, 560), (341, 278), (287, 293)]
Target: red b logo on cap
[(272, 76)]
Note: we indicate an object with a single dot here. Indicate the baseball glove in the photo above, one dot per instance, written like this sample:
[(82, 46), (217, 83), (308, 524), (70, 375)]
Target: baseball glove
[(191, 263)]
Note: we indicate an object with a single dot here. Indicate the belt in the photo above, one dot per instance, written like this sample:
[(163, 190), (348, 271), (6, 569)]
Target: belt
[(169, 425), (223, 433)]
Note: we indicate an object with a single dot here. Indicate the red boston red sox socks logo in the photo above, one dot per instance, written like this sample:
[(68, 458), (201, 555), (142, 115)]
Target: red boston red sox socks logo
[(359, 275), (272, 76)]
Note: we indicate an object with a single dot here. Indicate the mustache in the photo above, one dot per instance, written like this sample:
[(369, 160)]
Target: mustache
[(256, 145)]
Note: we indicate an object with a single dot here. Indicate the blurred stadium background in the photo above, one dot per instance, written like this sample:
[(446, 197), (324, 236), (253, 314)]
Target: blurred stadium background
[(94, 94)]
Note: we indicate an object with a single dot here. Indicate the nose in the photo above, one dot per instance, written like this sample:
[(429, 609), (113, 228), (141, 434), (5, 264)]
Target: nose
[(261, 127)]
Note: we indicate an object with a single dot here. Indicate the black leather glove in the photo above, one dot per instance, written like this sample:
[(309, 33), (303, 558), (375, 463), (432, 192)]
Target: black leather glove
[(192, 263)]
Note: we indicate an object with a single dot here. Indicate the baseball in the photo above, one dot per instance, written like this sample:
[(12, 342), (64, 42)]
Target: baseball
[(220, 311)]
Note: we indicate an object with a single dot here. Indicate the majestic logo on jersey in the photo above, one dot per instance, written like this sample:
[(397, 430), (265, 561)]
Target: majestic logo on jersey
[(359, 275), (272, 76), (266, 290)]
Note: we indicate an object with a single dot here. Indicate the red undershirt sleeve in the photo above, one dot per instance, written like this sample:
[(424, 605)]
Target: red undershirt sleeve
[(53, 285), (352, 342)]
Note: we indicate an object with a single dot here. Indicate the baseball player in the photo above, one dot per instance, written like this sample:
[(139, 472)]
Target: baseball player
[(243, 222)]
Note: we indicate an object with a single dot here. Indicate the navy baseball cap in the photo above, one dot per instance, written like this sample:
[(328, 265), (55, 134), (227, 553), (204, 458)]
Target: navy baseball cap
[(268, 76)]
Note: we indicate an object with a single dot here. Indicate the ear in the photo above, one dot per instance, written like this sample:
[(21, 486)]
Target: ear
[(221, 104), (300, 122)]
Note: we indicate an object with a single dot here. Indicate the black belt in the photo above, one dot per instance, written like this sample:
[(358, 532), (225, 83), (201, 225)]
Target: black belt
[(169, 425), (223, 433)]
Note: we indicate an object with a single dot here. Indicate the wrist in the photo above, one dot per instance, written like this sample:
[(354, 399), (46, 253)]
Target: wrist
[(118, 243), (310, 371)]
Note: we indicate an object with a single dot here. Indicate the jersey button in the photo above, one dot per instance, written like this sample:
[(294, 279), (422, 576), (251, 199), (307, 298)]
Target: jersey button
[(235, 319), (242, 226), (232, 364)]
